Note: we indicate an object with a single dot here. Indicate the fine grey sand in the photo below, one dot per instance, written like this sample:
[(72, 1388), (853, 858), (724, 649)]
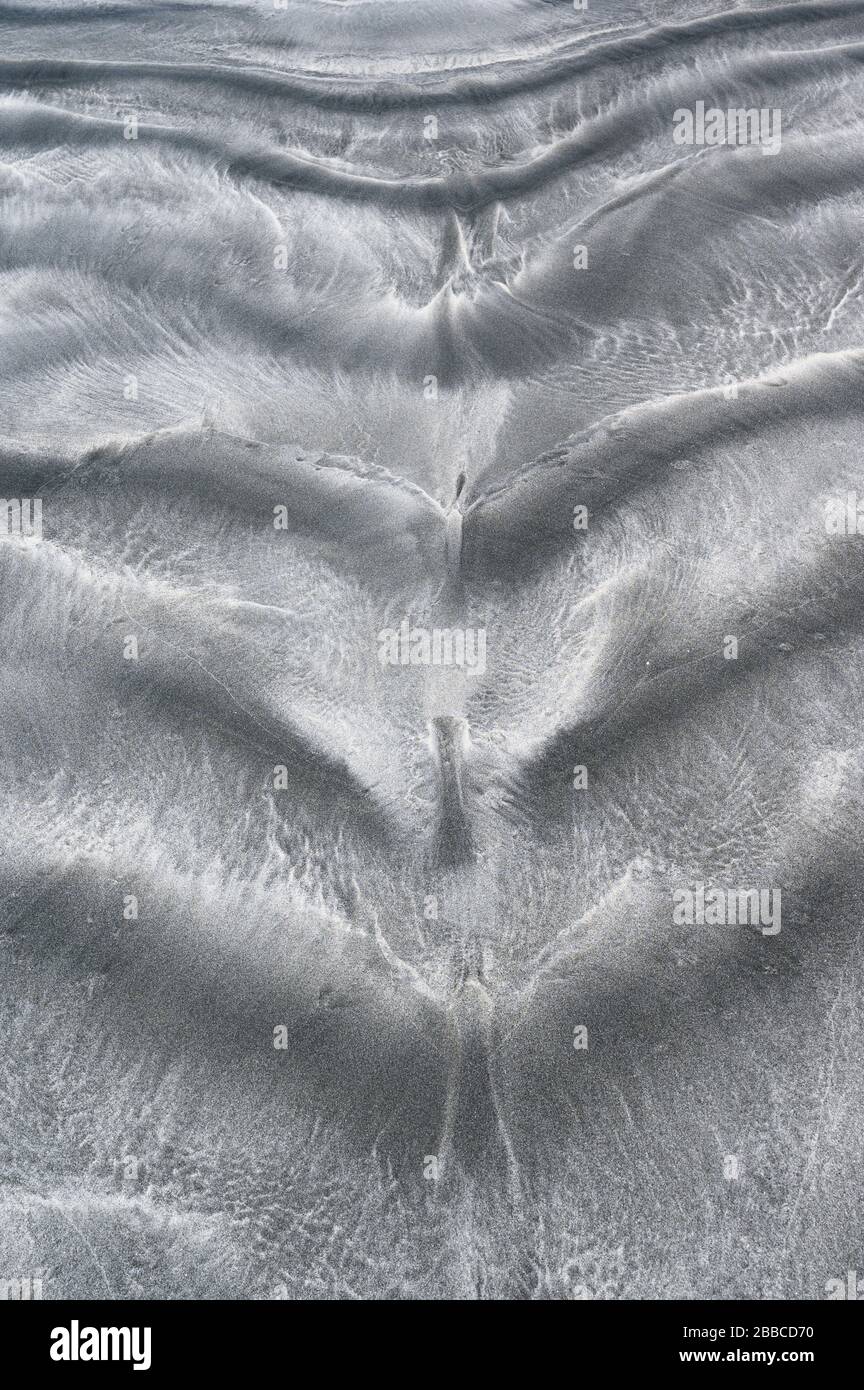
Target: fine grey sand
[(446, 556)]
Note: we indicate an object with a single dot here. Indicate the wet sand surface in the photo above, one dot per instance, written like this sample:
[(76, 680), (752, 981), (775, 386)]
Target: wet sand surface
[(437, 574)]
